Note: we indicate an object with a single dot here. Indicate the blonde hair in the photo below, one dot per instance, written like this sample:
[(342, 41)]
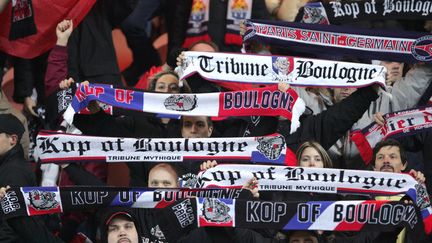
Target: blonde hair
[(327, 162)]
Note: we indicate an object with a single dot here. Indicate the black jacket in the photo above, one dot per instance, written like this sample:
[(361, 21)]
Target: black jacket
[(328, 126), (16, 171)]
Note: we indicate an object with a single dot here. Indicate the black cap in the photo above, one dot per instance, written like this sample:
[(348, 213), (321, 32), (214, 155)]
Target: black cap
[(116, 214), (9, 124)]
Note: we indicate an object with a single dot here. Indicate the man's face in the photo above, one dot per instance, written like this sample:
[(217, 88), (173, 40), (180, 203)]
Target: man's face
[(196, 127), (6, 143), (342, 93), (388, 159), (161, 177), (303, 237), (122, 230)]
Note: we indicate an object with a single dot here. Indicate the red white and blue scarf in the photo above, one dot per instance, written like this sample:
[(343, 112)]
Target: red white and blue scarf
[(319, 39), (397, 124), (262, 102)]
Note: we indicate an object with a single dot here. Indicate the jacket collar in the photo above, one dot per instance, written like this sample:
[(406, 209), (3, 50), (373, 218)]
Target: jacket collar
[(16, 151)]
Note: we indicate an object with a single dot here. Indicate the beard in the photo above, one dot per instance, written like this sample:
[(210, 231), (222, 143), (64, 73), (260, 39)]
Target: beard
[(125, 239)]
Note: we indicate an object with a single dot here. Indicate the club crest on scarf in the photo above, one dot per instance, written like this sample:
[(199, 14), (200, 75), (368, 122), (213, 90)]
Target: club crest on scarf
[(41, 200), (271, 147), (189, 180), (422, 197), (282, 68), (157, 232), (181, 102), (10, 202), (422, 48), (197, 13), (215, 211), (239, 9), (314, 15)]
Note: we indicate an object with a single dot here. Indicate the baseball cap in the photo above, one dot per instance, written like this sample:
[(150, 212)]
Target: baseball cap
[(9, 124), (116, 214)]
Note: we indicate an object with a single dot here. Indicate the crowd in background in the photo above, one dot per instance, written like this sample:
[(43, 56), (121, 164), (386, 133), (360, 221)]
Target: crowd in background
[(84, 53)]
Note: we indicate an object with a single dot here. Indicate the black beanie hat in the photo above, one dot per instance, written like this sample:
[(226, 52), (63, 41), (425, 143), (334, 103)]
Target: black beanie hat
[(9, 124)]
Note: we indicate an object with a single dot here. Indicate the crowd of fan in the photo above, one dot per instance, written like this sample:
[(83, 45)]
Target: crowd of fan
[(87, 54)]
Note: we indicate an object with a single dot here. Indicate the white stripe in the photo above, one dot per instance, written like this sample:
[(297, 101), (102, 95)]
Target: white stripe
[(335, 45), (326, 219)]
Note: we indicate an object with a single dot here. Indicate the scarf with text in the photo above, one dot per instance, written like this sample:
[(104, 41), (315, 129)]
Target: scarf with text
[(199, 18), (59, 101), (397, 124), (319, 180), (262, 69), (53, 147), (22, 19), (262, 102), (361, 215), (30, 201), (319, 39), (341, 12), (217, 207)]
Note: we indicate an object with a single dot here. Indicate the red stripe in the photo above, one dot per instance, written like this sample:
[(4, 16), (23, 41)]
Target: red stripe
[(218, 157), (92, 158), (363, 146), (368, 191), (356, 226), (192, 39), (233, 39)]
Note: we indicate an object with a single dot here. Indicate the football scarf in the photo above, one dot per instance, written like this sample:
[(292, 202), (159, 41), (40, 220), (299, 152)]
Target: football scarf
[(22, 19), (47, 14), (319, 180), (368, 215), (341, 12), (217, 207), (262, 102), (397, 124), (55, 147), (319, 39), (262, 69), (30, 201), (199, 17)]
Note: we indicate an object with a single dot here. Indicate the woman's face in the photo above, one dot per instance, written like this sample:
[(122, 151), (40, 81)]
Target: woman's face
[(311, 158), (167, 84)]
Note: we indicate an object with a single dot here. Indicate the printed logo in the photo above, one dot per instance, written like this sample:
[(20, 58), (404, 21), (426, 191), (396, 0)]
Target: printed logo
[(64, 98), (239, 9), (282, 68), (157, 232), (40, 200), (189, 180), (184, 213), (314, 15), (10, 202), (423, 200), (271, 147), (198, 13), (250, 30), (421, 49), (215, 211), (181, 102)]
